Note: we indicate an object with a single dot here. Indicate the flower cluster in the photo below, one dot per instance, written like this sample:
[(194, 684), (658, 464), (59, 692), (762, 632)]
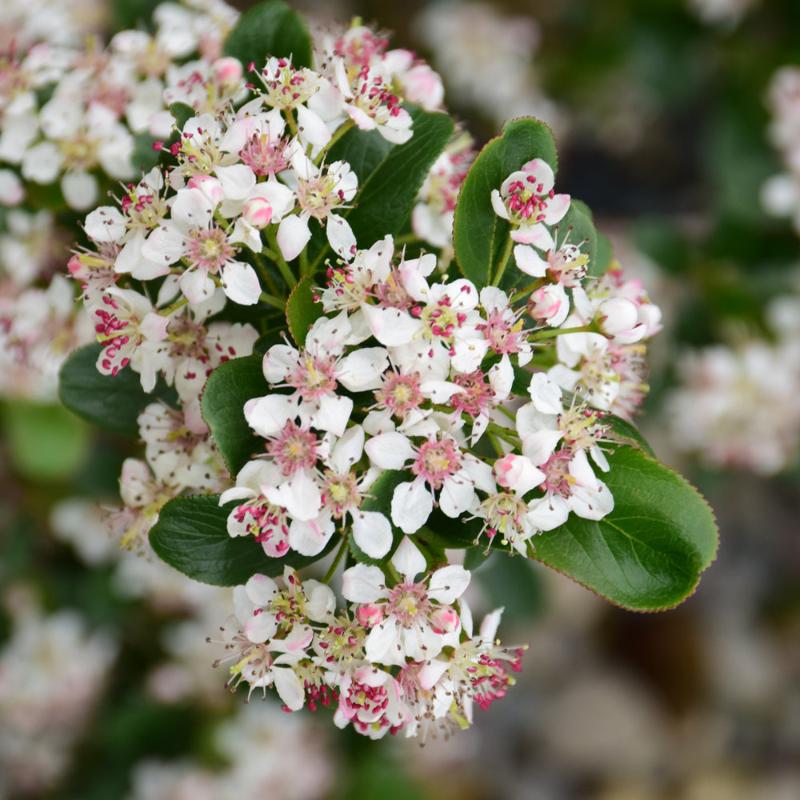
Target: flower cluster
[(405, 402), (487, 59), (52, 672), (780, 195), (402, 658), (739, 407)]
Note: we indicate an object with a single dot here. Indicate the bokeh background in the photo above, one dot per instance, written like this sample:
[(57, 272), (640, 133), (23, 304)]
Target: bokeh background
[(671, 126)]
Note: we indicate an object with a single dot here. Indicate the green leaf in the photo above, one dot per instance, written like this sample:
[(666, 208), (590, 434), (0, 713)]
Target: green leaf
[(144, 156), (379, 498), (649, 552), (626, 432), (182, 113), (270, 29), (386, 195), (301, 310), (191, 535), (604, 256), (110, 402), (479, 235), (45, 442), (228, 388), (578, 228)]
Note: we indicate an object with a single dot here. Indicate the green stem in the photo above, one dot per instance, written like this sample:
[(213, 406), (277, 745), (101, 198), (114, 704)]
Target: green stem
[(290, 122), (551, 334), (275, 302), (498, 448), (336, 561), (261, 266), (504, 259), (284, 268), (531, 287), (338, 133)]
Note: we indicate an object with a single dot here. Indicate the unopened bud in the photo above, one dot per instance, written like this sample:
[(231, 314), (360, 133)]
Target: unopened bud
[(257, 212)]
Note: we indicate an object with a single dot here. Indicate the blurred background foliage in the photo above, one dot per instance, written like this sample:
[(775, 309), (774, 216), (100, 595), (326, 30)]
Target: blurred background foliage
[(661, 121)]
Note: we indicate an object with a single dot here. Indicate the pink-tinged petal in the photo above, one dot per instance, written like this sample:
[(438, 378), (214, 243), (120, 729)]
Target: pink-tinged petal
[(332, 414), (557, 208), (289, 687), (240, 283), (372, 533), (529, 261), (310, 537), (539, 174), (260, 627), (279, 197), (517, 473), (412, 504), (363, 584), (293, 235), (548, 512), (363, 120), (448, 584), (389, 450), (390, 326), (267, 415), (428, 676), (261, 589), (536, 234), (154, 327)]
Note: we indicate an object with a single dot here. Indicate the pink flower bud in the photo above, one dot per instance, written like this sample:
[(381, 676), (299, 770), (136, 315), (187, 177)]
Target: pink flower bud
[(369, 614), (228, 70), (210, 187), (258, 212), (549, 305), (444, 620)]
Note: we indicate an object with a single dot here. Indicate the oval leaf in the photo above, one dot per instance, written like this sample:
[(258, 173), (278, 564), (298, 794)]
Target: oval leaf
[(191, 535), (301, 310), (649, 552), (270, 29), (479, 235), (228, 388), (113, 403)]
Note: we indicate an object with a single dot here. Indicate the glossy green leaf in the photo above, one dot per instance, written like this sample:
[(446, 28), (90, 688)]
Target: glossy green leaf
[(113, 403), (228, 388), (578, 228), (626, 432), (479, 235), (386, 195), (301, 310), (191, 536), (44, 442), (270, 29), (649, 552)]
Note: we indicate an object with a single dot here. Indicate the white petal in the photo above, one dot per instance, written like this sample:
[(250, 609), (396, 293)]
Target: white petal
[(372, 533), (333, 413), (105, 224), (340, 237), (293, 235), (548, 512), (389, 450), (529, 261), (309, 537), (80, 190), (456, 495), (289, 687), (408, 560), (390, 326), (361, 371), (237, 181), (261, 589), (363, 584), (448, 584), (412, 504), (267, 415), (196, 286), (545, 394), (348, 450), (240, 282)]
